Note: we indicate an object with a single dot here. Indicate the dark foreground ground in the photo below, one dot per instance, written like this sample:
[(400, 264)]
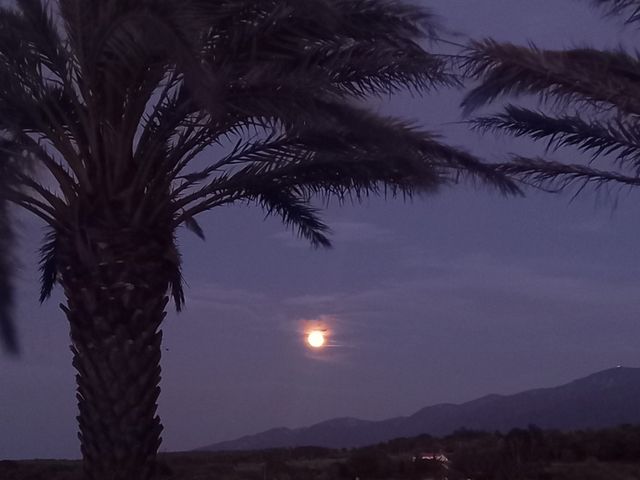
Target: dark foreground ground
[(522, 454)]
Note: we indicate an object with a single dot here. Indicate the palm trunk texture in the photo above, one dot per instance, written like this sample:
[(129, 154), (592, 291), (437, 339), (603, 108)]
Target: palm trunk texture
[(116, 296)]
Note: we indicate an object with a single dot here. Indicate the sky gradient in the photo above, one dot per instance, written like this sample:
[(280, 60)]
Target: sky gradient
[(443, 299)]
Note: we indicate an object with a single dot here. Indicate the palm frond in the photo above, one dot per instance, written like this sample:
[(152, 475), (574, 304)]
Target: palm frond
[(557, 176), (176, 282), (368, 16), (594, 97), (598, 78), (618, 137), (627, 8), (40, 30), (342, 159), (48, 265), (192, 225), (294, 212), (286, 40)]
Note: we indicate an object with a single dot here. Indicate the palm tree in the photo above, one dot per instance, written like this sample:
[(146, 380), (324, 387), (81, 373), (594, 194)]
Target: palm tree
[(7, 329), (592, 100), (115, 103)]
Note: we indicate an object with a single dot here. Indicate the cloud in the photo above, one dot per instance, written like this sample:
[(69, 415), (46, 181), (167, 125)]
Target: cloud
[(481, 290), (345, 232), (226, 303), (464, 301)]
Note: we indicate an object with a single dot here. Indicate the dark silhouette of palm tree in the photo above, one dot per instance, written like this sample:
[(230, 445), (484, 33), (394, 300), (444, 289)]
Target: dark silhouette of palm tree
[(7, 328), (590, 98), (112, 100)]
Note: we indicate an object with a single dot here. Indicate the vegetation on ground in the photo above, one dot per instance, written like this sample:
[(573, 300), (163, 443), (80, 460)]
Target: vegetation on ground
[(521, 454)]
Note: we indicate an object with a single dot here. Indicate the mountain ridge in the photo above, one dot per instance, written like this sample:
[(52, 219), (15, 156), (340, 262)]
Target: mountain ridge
[(605, 398)]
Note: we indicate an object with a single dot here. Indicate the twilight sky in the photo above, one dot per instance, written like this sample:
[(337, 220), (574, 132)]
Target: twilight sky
[(442, 300)]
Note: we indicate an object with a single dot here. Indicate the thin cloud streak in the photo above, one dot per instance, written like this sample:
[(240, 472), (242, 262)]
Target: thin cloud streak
[(345, 232)]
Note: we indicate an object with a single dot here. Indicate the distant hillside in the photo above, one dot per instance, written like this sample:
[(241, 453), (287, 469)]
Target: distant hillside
[(607, 398)]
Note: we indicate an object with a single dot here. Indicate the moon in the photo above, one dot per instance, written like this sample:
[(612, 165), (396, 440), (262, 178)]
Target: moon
[(316, 339)]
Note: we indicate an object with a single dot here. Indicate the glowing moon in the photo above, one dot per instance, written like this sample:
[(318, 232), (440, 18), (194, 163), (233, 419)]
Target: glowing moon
[(316, 339)]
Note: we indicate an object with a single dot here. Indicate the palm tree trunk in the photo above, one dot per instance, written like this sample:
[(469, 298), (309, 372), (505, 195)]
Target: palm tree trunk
[(116, 297)]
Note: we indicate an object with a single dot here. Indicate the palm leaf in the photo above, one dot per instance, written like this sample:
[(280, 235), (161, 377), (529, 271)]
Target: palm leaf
[(557, 176), (600, 79), (593, 95), (48, 265), (294, 212), (342, 158), (628, 8), (617, 137)]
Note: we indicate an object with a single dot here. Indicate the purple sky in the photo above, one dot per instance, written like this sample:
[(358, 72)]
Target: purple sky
[(445, 299)]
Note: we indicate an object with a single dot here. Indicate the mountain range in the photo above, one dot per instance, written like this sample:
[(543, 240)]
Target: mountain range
[(607, 398)]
